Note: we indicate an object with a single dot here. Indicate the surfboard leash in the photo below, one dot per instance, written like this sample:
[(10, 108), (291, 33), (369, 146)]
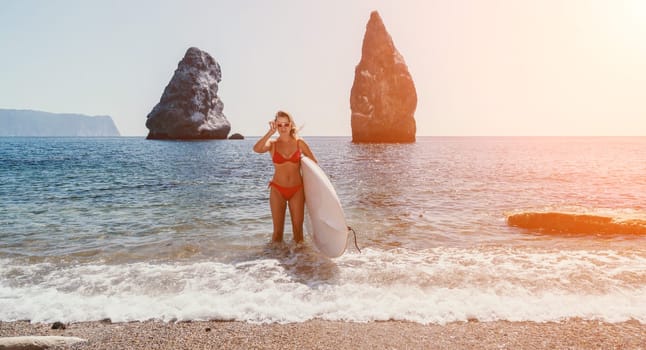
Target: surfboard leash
[(355, 238)]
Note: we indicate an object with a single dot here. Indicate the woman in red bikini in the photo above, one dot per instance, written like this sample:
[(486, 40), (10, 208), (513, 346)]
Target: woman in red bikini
[(286, 187)]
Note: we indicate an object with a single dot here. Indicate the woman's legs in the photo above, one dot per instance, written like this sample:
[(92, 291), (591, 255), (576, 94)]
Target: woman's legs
[(278, 205), (297, 213)]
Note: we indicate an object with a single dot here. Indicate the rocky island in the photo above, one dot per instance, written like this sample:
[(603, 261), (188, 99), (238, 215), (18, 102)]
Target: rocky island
[(190, 108), (383, 97)]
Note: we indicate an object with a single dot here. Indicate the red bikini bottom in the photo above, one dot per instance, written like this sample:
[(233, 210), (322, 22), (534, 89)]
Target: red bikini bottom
[(286, 192)]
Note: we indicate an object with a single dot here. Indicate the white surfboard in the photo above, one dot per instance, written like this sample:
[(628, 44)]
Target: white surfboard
[(328, 227)]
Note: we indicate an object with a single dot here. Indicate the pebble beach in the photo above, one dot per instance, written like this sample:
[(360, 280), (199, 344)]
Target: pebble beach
[(319, 334)]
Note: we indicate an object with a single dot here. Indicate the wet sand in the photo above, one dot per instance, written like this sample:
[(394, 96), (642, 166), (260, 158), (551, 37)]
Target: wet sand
[(317, 334)]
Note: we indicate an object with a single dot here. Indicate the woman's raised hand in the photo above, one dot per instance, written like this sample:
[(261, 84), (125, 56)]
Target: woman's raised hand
[(272, 127)]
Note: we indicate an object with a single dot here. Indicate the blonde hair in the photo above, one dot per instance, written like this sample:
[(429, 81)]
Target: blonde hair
[(282, 114)]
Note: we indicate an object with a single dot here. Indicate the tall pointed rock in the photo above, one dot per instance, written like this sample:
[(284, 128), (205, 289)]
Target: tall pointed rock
[(383, 97), (190, 107)]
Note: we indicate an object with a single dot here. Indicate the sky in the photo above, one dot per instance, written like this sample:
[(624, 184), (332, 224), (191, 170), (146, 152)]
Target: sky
[(480, 67)]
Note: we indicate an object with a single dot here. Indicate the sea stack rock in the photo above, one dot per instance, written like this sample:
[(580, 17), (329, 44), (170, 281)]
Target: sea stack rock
[(190, 107), (383, 97)]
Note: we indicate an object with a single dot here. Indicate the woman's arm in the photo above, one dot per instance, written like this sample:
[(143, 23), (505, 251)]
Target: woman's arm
[(306, 150), (264, 144)]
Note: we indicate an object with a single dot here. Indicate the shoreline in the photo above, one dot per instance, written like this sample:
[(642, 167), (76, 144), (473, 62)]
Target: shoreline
[(319, 334)]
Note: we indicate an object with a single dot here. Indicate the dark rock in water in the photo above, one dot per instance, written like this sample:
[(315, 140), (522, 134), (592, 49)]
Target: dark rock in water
[(383, 97), (58, 325), (236, 136), (568, 223), (17, 122), (190, 107)]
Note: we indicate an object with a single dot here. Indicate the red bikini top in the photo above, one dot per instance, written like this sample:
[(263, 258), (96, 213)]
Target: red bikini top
[(279, 159)]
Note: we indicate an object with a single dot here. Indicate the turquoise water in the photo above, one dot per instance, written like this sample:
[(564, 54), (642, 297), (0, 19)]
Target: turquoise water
[(133, 229)]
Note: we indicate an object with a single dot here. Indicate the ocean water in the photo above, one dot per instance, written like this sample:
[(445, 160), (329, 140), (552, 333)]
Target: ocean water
[(132, 229)]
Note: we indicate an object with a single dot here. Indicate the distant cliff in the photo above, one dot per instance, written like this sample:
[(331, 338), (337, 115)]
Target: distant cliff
[(36, 123)]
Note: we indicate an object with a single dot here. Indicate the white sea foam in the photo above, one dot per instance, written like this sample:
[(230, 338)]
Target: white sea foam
[(432, 286)]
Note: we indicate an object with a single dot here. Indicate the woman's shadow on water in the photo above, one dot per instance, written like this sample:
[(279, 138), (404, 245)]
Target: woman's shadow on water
[(301, 262)]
